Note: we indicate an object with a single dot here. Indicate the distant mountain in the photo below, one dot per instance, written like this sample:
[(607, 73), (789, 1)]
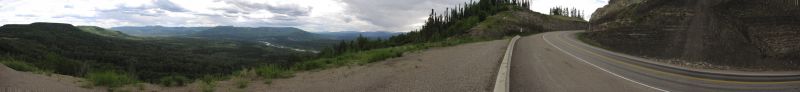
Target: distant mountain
[(76, 51), (281, 36), (159, 31), (349, 35), (104, 32)]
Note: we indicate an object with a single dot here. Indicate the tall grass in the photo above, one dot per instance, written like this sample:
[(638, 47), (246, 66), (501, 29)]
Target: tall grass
[(272, 71), (174, 80), (242, 78), (209, 83)]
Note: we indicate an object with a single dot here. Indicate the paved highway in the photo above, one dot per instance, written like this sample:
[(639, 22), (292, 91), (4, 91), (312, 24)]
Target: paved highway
[(557, 62)]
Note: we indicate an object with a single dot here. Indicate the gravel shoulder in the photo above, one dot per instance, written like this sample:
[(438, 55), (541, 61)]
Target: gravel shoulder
[(16, 81), (464, 68)]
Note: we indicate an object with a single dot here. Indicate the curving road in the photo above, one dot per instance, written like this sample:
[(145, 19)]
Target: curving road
[(557, 62)]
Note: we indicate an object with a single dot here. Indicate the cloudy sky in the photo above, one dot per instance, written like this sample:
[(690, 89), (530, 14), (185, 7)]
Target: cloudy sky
[(310, 15)]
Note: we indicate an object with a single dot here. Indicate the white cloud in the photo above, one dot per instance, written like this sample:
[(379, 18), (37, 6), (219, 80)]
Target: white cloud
[(310, 15)]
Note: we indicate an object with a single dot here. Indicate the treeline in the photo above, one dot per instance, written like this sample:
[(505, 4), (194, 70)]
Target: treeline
[(569, 12), (453, 22)]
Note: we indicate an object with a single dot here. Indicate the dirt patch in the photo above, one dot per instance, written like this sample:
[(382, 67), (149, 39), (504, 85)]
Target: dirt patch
[(16, 81)]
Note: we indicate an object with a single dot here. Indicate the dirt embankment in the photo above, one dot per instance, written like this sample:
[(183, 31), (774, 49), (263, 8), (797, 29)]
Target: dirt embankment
[(739, 33), (463, 68), (16, 81)]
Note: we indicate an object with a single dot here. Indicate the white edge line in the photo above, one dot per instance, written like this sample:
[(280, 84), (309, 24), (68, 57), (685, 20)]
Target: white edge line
[(595, 66)]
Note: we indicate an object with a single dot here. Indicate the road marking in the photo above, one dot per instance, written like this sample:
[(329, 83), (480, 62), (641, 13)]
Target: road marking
[(667, 73), (501, 83), (595, 66)]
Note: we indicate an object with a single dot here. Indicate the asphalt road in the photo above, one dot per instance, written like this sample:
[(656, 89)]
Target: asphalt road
[(558, 62)]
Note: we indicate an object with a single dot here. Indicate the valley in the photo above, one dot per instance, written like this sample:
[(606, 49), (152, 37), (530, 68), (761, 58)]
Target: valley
[(400, 46)]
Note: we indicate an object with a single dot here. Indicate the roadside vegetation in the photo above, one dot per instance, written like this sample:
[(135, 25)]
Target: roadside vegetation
[(110, 79), (20, 66), (374, 55)]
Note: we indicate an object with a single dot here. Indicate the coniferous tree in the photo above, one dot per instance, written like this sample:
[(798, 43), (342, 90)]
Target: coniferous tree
[(438, 26)]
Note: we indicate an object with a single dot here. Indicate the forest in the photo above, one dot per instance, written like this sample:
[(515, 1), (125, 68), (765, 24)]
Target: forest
[(78, 51), (569, 12), (451, 24)]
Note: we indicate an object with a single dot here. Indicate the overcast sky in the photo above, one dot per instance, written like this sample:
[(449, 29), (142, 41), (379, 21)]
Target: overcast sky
[(310, 15)]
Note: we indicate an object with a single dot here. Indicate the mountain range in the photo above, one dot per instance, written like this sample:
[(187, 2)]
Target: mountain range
[(287, 37)]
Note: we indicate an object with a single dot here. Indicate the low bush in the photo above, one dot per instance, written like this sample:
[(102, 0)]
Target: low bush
[(241, 82), (174, 80), (208, 86), (272, 71), (110, 79), (375, 55), (19, 65)]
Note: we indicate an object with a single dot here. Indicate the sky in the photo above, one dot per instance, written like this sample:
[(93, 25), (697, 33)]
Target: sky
[(309, 15)]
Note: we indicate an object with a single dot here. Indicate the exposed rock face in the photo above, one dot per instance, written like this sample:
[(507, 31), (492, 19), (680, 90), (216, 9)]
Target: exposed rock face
[(750, 33)]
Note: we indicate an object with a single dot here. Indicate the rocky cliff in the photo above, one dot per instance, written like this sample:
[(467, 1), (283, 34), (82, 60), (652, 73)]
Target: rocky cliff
[(744, 33)]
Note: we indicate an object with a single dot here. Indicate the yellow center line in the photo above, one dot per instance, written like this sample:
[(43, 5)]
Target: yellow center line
[(673, 74)]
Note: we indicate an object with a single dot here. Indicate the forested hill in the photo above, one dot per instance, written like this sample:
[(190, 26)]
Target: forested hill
[(350, 35), (69, 50), (284, 36), (159, 31), (474, 20), (288, 37), (105, 32)]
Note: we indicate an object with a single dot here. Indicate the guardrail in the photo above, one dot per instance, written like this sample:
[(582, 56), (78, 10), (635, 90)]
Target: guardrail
[(502, 82)]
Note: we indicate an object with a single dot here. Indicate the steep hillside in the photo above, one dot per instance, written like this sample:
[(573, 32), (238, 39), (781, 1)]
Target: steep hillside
[(280, 36), (105, 32), (65, 49), (741, 33), (525, 21)]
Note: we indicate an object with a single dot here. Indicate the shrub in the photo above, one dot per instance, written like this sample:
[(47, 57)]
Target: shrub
[(272, 71), (208, 86), (241, 78), (241, 82), (310, 65), (174, 80), (110, 79), (19, 65), (382, 54)]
